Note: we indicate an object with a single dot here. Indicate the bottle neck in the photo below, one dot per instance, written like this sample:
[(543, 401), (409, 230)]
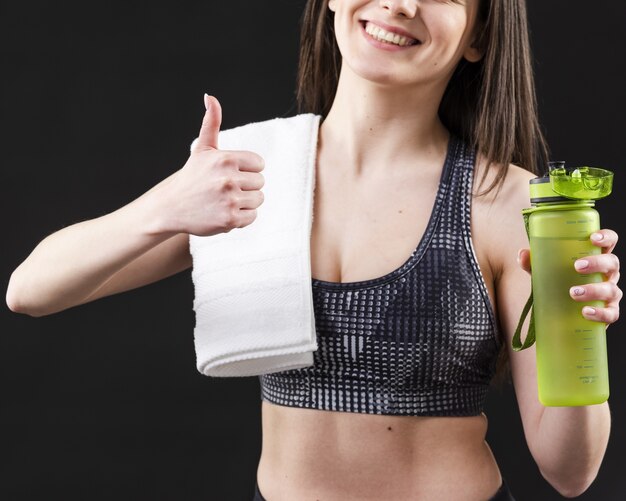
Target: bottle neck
[(560, 205), (563, 203)]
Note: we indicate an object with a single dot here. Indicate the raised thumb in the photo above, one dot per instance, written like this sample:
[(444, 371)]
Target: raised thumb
[(209, 132)]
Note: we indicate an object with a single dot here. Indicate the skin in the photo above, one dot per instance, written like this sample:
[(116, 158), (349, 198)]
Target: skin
[(380, 153)]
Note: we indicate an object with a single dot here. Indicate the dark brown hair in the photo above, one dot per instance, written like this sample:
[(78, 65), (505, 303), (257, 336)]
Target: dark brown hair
[(490, 104)]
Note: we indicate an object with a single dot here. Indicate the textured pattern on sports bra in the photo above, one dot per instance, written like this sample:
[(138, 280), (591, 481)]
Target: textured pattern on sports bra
[(420, 340)]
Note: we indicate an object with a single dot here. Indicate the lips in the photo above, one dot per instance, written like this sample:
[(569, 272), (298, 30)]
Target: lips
[(392, 29)]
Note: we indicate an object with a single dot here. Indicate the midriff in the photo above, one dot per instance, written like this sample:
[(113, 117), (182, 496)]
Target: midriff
[(345, 456)]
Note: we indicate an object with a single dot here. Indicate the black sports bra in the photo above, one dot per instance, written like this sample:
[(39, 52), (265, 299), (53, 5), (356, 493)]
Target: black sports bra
[(421, 340)]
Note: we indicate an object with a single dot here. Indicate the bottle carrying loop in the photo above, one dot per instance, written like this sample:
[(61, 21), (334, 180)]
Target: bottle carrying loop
[(516, 343)]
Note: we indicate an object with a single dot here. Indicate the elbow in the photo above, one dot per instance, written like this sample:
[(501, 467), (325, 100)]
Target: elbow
[(17, 306), (573, 491), (15, 300), (570, 487), (12, 297), (12, 302)]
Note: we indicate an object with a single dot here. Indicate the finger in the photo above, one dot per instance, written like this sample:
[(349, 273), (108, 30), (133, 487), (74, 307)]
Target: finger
[(251, 181), (209, 131), (609, 315), (605, 239), (248, 161), (602, 291), (246, 217), (250, 199), (523, 259), (602, 263)]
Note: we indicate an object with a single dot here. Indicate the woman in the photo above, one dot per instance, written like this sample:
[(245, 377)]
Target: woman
[(402, 115)]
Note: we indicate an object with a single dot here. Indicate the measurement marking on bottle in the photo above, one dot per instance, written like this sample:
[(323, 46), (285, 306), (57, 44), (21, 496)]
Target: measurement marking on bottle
[(587, 338), (591, 360), (587, 348)]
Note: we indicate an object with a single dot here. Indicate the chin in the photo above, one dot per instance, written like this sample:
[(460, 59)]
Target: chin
[(378, 75)]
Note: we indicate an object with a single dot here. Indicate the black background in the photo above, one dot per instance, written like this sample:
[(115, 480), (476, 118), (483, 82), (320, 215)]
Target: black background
[(99, 102)]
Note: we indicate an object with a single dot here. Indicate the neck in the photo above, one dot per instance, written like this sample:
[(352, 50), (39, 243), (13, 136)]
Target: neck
[(372, 126)]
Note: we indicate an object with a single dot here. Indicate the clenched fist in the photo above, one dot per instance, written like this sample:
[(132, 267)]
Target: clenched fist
[(216, 190)]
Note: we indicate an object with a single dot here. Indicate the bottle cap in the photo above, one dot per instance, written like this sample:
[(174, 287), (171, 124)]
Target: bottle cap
[(562, 185), (582, 183)]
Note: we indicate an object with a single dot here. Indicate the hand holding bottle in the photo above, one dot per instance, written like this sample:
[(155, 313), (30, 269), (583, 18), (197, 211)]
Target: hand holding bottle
[(216, 190), (606, 263)]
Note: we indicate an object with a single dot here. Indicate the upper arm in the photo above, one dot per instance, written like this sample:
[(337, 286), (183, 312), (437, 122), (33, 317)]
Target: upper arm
[(168, 258), (512, 288)]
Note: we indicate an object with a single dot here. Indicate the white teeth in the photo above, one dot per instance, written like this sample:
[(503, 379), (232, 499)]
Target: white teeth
[(385, 36)]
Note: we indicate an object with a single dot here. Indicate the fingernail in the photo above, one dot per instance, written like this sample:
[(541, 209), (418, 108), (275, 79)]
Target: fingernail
[(588, 310), (577, 291), (206, 101), (597, 237), (581, 264)]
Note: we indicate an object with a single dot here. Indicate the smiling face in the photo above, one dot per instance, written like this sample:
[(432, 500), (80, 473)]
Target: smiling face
[(405, 42)]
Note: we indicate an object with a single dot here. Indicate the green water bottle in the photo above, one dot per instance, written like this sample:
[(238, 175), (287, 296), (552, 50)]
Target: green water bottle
[(572, 364)]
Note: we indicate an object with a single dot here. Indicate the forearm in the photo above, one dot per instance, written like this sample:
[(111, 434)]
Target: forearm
[(571, 442), (68, 265)]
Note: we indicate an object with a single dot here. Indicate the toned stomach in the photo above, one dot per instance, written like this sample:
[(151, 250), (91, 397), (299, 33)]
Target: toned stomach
[(344, 456)]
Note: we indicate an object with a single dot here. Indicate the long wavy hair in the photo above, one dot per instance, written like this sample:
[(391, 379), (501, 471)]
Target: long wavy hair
[(490, 104)]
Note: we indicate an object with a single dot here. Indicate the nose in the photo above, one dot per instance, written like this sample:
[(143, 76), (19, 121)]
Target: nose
[(406, 8)]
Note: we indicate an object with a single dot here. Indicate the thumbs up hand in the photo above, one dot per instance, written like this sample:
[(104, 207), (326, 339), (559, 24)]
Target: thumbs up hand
[(216, 190)]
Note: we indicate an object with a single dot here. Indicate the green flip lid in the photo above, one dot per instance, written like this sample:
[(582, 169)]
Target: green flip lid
[(581, 183)]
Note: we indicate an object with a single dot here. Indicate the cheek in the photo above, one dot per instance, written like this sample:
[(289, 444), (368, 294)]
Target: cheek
[(340, 33), (345, 32), (448, 31)]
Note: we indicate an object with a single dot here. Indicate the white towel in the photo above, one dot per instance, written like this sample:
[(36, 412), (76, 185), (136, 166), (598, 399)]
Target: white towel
[(252, 286)]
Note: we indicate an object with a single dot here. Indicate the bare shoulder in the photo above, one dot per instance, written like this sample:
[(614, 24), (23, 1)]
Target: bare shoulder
[(512, 194)]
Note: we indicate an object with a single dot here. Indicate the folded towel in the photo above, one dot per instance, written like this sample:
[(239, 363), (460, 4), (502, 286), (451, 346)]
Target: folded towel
[(253, 300)]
